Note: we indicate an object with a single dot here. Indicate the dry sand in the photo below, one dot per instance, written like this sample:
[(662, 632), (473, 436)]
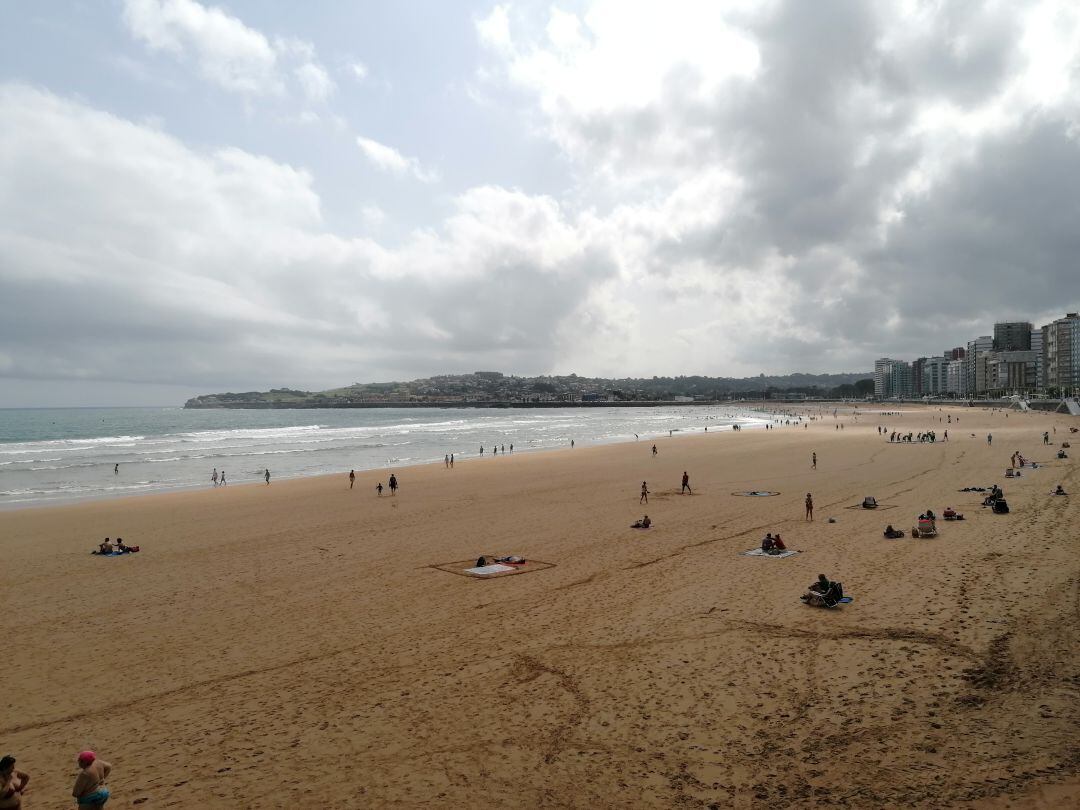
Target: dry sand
[(292, 645)]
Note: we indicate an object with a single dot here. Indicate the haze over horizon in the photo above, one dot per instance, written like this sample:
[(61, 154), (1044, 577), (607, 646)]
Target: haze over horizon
[(202, 197)]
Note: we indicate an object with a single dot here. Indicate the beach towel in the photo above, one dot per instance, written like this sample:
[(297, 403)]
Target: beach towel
[(111, 554), (756, 493), (757, 552), (487, 570)]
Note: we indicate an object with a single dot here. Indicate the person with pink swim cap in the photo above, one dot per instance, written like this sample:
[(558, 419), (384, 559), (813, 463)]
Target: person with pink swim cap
[(90, 790)]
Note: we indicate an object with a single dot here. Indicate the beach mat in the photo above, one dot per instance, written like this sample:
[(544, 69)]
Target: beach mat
[(114, 554), (757, 552), (756, 493), (488, 570), (468, 568)]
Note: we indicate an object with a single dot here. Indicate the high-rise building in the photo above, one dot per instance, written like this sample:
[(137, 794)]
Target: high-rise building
[(976, 347), (957, 377), (892, 378), (935, 376), (917, 380), (1036, 346), (1061, 354), (955, 354), (1012, 336)]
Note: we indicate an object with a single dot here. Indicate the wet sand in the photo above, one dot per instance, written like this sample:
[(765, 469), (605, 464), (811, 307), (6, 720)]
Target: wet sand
[(293, 645)]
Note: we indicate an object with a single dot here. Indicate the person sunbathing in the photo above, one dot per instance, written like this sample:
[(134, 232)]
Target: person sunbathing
[(644, 523), (822, 593), (512, 560), (893, 534), (105, 547)]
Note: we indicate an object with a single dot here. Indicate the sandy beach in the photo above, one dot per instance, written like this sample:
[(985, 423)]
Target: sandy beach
[(297, 645)]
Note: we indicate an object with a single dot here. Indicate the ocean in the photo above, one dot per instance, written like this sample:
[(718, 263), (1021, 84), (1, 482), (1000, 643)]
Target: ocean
[(52, 455)]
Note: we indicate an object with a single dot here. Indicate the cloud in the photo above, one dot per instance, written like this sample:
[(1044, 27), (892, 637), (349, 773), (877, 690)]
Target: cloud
[(359, 71), (127, 256), (388, 159), (227, 52), (775, 190), (315, 81)]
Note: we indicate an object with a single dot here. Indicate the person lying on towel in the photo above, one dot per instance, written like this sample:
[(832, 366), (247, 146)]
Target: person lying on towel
[(893, 534)]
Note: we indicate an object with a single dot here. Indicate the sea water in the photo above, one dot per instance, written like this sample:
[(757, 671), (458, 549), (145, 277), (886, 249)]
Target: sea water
[(55, 455)]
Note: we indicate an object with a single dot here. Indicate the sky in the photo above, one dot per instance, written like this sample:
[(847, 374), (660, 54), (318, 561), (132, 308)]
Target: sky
[(203, 197)]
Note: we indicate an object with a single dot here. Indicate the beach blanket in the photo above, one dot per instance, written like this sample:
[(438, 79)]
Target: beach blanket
[(757, 552), (113, 554), (756, 493), (487, 570)]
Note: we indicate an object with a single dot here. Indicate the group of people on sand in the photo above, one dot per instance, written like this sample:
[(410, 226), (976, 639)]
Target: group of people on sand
[(106, 546), (89, 790), (773, 544), (926, 438)]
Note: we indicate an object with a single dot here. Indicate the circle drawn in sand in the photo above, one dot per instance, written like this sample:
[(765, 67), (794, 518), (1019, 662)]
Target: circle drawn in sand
[(756, 493)]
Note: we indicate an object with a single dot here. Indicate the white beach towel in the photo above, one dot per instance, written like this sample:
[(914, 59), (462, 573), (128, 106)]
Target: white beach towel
[(757, 552), (486, 570)]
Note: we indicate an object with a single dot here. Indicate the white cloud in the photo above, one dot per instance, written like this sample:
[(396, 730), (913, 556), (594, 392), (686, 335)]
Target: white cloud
[(388, 159), (315, 82), (359, 71), (227, 52)]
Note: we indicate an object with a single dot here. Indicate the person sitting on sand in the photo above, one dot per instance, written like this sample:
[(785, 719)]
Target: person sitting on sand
[(778, 544), (1062, 454), (1060, 491), (822, 593), (768, 544), (893, 534), (105, 547), (121, 547), (644, 523), (930, 514), (90, 790), (12, 784)]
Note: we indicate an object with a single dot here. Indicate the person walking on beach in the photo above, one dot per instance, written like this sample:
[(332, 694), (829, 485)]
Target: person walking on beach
[(267, 476), (451, 461), (481, 451), (813, 460), (90, 790), (12, 784), (504, 449), (116, 469), (393, 484), (571, 444), (446, 461), (511, 448), (644, 493), (989, 438), (686, 483), (222, 479), (352, 478), (809, 507), (378, 488), (213, 477), (654, 450)]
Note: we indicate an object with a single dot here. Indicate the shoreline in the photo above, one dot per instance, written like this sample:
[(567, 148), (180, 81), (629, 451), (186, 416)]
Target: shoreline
[(747, 420)]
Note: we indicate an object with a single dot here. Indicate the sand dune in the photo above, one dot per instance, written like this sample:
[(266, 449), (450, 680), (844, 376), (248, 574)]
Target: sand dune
[(295, 645)]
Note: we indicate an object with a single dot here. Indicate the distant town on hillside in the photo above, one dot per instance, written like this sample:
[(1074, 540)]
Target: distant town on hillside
[(493, 388)]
